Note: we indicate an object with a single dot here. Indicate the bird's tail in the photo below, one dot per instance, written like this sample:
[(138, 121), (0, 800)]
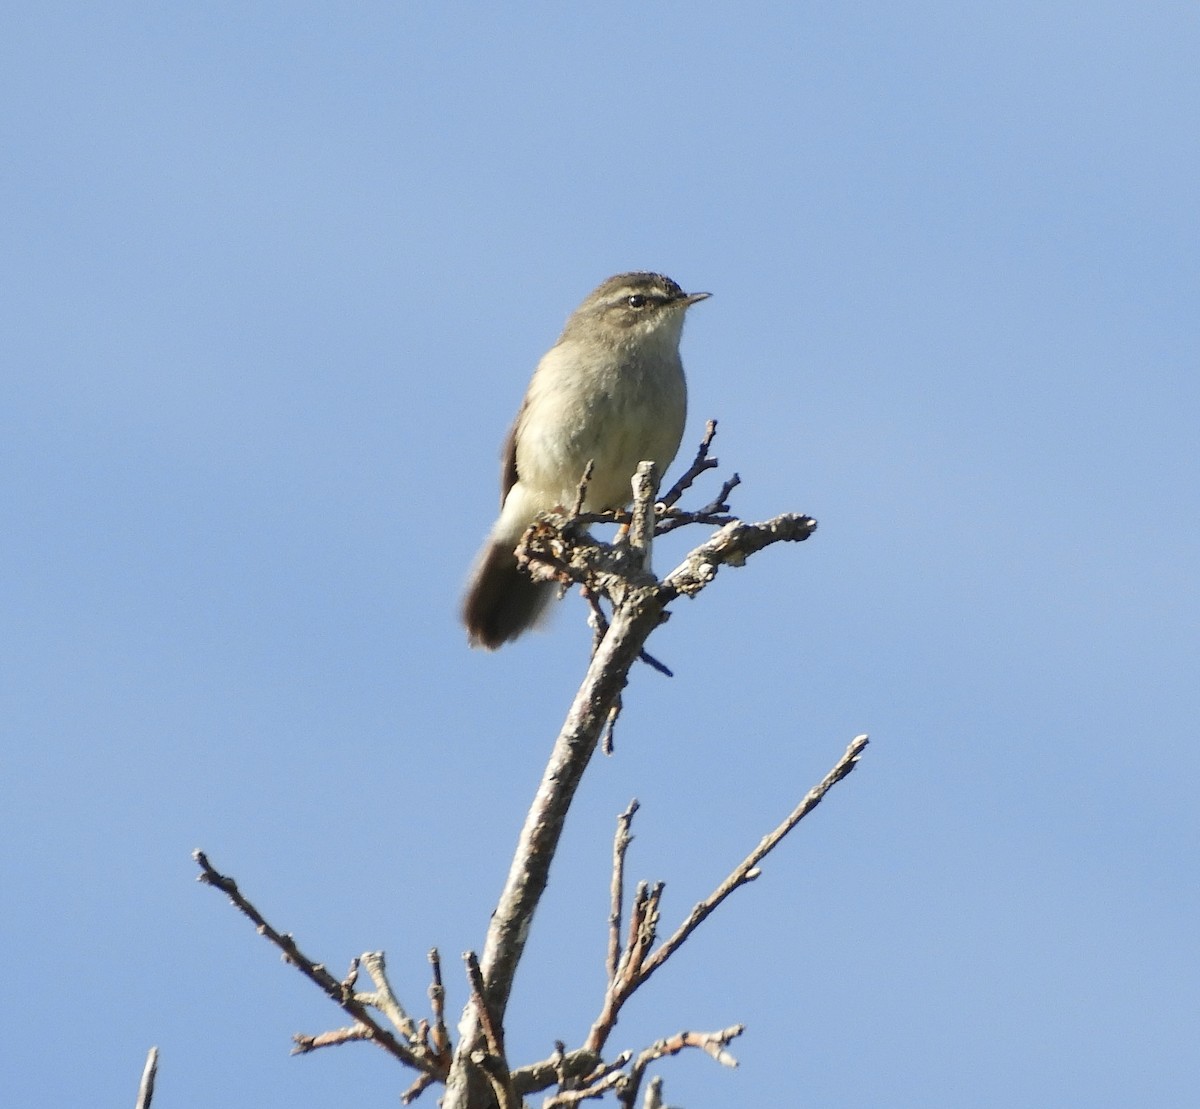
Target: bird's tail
[(502, 600)]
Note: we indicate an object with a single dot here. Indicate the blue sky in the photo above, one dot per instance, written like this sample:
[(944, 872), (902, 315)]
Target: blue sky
[(276, 278)]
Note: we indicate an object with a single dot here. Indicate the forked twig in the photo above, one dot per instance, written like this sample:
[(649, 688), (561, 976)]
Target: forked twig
[(346, 999), (699, 465)]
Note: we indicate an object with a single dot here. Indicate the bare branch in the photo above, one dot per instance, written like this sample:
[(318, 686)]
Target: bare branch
[(493, 1032), (603, 1078), (304, 1044), (711, 1043), (491, 1061), (437, 1004), (731, 546), (149, 1073), (556, 547), (699, 465), (747, 869), (599, 625), (384, 998), (420, 1084), (643, 928), (715, 512), (599, 1088), (637, 612), (581, 491), (621, 842), (563, 1067), (346, 999), (610, 726), (498, 1076), (641, 521)]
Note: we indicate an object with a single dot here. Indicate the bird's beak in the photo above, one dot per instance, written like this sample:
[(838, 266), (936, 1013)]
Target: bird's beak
[(695, 298)]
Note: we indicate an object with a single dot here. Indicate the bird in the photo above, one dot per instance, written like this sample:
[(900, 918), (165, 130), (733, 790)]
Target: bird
[(611, 391)]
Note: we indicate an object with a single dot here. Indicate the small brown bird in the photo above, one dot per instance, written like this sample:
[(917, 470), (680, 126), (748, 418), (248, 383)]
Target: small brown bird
[(610, 391)]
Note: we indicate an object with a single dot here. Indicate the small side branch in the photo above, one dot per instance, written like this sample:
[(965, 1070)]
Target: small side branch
[(636, 961), (493, 1062), (715, 512), (582, 488), (149, 1073), (602, 1079), (731, 546), (711, 1043), (621, 843), (700, 464), (341, 993), (384, 998), (747, 870), (303, 1044), (492, 1031), (437, 1004)]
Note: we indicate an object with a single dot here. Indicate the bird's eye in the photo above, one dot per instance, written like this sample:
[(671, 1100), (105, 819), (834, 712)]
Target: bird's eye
[(636, 301)]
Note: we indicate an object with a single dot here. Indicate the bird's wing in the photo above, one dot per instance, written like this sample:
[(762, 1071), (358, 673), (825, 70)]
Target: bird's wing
[(508, 459)]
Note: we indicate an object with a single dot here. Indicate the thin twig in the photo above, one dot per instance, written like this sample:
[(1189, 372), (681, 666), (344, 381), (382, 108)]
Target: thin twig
[(711, 1043), (643, 929), (492, 1062), (566, 1098), (599, 623), (420, 1084), (610, 726), (621, 842), (437, 1004), (493, 1032), (384, 998), (747, 869), (316, 972), (149, 1073), (597, 618), (655, 664), (715, 512), (563, 1066), (699, 465), (581, 490), (603, 1078), (304, 1044)]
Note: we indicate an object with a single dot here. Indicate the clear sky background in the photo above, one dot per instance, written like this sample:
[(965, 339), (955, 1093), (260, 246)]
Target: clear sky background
[(275, 278)]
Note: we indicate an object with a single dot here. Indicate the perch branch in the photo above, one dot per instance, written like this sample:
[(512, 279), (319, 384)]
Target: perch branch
[(637, 612), (558, 548)]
